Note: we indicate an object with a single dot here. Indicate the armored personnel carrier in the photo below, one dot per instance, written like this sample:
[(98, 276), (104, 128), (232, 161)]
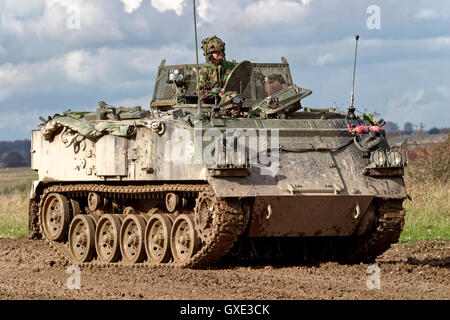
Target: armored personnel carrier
[(186, 184)]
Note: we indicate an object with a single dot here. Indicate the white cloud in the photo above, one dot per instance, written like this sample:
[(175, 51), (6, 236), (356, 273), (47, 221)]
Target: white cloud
[(49, 23), (146, 61), (160, 5), (11, 24), (78, 67), (131, 5), (11, 79), (271, 12), (409, 106), (165, 5), (325, 59), (203, 8), (252, 14), (103, 69), (23, 8), (426, 14), (115, 58), (144, 102), (445, 91)]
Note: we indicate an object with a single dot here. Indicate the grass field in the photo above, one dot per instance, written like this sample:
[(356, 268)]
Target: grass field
[(15, 186), (427, 216)]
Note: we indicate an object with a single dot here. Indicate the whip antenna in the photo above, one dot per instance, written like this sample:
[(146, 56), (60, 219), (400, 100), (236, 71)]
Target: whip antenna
[(199, 100), (351, 109), (354, 71)]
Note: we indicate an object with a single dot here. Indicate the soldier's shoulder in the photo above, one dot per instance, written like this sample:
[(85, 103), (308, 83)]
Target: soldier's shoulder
[(205, 69), (207, 65)]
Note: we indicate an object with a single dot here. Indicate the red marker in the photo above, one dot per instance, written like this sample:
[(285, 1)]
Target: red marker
[(364, 129)]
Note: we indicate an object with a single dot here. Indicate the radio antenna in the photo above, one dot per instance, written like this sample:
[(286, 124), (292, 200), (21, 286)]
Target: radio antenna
[(351, 109), (199, 100)]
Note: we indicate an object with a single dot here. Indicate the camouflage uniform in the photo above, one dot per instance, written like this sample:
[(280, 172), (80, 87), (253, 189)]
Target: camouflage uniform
[(212, 76)]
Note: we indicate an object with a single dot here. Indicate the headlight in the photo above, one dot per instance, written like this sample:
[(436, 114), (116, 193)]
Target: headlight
[(379, 158), (394, 158), (175, 75)]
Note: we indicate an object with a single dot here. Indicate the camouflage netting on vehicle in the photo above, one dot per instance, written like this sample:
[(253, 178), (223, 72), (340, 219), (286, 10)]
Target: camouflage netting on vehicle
[(257, 89), (85, 128)]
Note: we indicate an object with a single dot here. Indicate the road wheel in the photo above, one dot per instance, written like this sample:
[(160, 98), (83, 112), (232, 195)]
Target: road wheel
[(157, 238), (184, 241), (107, 238), (132, 239), (55, 216), (82, 238)]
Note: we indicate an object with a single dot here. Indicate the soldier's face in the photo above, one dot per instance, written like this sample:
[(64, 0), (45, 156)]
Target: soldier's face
[(235, 111), (273, 86), (218, 55)]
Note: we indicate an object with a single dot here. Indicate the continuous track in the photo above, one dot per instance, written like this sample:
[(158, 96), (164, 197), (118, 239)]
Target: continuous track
[(226, 226), (386, 231), (227, 220)]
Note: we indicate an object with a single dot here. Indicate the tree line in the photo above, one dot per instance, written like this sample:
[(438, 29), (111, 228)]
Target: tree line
[(15, 154), (409, 128)]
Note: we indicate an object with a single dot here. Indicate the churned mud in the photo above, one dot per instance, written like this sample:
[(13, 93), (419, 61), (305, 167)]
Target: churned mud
[(32, 270)]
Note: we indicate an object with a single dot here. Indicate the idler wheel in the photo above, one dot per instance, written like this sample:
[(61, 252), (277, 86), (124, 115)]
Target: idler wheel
[(107, 238), (55, 216), (184, 241), (157, 238), (132, 239), (82, 238)]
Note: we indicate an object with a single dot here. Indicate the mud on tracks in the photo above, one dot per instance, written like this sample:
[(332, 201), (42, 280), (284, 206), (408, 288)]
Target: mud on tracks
[(32, 270)]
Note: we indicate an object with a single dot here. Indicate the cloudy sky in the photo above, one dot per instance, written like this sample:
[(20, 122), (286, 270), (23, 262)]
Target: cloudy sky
[(69, 54)]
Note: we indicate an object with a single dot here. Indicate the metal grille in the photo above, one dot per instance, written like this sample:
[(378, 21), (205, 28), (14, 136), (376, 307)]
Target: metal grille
[(163, 90), (269, 79), (257, 89)]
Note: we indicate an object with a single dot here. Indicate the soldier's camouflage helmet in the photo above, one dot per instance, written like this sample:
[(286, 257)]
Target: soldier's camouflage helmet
[(212, 44), (229, 95)]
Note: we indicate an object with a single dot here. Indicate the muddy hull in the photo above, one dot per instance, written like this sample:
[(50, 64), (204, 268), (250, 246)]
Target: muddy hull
[(298, 216)]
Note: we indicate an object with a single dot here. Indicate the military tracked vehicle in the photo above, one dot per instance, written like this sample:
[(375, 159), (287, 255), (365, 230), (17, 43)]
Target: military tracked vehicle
[(186, 184)]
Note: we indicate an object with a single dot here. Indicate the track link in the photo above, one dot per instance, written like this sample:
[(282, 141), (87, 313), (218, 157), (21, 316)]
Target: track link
[(387, 229)]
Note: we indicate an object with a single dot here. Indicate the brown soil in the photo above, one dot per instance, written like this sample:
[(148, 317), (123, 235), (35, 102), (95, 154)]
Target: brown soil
[(32, 270)]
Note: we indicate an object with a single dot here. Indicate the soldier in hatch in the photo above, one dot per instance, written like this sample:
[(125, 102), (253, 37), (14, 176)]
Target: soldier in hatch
[(274, 84), (214, 73), (232, 105)]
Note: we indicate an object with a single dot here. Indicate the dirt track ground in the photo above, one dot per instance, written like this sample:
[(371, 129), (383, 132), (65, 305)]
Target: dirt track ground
[(31, 270)]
